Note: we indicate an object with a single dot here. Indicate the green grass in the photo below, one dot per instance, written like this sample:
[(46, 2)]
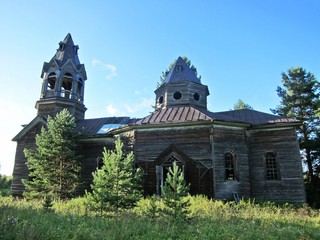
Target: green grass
[(21, 219)]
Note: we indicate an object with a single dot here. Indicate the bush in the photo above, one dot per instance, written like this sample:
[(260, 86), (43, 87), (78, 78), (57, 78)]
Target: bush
[(5, 185)]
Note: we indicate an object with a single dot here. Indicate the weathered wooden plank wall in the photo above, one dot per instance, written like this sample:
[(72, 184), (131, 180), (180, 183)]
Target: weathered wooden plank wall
[(290, 186), (226, 139), (192, 141), (20, 170)]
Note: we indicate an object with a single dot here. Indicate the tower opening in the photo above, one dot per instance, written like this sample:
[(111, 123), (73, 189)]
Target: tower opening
[(66, 86)]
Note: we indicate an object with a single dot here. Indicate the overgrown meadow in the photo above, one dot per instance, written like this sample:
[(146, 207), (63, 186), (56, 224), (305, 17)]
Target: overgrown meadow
[(207, 219)]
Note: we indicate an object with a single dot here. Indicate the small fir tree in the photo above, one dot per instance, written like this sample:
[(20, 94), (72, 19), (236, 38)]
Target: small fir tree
[(174, 193), (241, 105), (54, 167), (117, 185)]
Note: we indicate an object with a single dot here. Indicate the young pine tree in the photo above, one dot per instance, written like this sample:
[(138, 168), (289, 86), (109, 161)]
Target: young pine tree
[(174, 193), (54, 167), (117, 185)]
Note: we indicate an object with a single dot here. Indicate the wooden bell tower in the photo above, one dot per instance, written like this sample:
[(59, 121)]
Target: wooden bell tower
[(63, 82)]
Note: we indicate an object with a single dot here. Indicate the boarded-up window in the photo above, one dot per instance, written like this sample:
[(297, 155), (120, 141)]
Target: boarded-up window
[(272, 169)]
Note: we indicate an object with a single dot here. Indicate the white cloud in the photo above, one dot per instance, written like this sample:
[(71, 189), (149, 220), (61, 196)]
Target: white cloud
[(143, 105), (111, 110), (110, 69), (134, 109), (95, 62)]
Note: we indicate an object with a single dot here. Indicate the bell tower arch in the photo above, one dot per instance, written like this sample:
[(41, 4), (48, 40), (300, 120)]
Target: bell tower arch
[(63, 81)]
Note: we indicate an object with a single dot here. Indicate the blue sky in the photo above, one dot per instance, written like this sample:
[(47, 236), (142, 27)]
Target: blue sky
[(239, 48)]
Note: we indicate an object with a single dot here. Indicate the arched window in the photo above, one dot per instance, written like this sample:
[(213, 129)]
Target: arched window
[(52, 78), (66, 85), (79, 91), (229, 166), (272, 168)]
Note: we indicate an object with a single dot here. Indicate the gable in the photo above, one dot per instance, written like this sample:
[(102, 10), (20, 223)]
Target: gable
[(35, 122), (169, 155)]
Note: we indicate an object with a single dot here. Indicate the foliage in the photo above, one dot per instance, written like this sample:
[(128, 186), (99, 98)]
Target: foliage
[(54, 168), (165, 73), (151, 207), (5, 185), (211, 220), (117, 184), (241, 105), (300, 100), (174, 193)]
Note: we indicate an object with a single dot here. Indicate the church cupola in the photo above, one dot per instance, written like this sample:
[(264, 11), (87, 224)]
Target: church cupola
[(63, 82), (181, 87)]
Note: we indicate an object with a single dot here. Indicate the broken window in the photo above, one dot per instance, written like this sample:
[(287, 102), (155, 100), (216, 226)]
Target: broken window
[(229, 166), (272, 169)]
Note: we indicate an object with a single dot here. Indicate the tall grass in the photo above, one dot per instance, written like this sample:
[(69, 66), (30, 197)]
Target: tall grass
[(208, 219)]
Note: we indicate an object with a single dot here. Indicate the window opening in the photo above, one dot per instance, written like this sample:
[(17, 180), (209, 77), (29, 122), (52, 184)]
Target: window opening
[(196, 96), (160, 100), (271, 166), (52, 78), (99, 163), (79, 91), (66, 86), (229, 166), (163, 170), (179, 68), (177, 95)]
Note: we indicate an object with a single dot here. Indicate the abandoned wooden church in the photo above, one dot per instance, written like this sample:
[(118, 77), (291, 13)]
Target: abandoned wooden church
[(251, 153)]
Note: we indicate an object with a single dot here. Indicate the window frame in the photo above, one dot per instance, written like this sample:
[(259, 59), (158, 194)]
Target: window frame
[(272, 167), (231, 173)]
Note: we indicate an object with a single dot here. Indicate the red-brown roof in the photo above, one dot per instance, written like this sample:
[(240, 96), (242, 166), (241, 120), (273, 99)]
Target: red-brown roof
[(184, 114)]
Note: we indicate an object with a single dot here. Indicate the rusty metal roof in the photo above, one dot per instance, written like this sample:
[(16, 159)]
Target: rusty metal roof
[(175, 115), (182, 114)]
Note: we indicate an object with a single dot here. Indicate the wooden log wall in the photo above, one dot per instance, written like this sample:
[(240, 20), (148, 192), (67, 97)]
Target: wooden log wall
[(20, 170), (290, 186), (233, 140), (90, 152), (192, 141)]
